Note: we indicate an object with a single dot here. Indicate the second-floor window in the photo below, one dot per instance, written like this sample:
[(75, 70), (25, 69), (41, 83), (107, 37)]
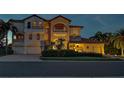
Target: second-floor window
[(40, 24), (29, 25), (34, 24), (30, 36), (59, 28), (37, 25)]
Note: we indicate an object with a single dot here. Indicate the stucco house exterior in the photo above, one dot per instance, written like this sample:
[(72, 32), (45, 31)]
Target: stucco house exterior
[(34, 32)]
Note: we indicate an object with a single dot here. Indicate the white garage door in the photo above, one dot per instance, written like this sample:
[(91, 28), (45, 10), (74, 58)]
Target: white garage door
[(33, 50)]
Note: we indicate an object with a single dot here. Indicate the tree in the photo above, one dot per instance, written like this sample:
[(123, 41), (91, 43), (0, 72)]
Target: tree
[(4, 28), (13, 30), (98, 36), (118, 41), (2, 33)]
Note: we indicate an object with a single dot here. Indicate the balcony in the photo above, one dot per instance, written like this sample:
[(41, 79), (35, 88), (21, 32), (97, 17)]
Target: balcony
[(60, 30)]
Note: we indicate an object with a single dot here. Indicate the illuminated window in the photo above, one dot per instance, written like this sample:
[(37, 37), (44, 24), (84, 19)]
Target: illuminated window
[(29, 25), (15, 37), (59, 28), (38, 36), (40, 23), (30, 36), (34, 24)]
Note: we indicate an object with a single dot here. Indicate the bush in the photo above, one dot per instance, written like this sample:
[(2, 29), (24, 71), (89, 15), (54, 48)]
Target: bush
[(67, 53), (111, 50), (3, 50)]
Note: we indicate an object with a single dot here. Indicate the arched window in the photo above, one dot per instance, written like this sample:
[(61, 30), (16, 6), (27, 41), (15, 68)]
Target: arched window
[(38, 36), (29, 25), (59, 27), (30, 36)]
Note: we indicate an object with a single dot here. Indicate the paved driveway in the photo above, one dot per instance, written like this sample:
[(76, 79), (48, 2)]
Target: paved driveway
[(20, 58)]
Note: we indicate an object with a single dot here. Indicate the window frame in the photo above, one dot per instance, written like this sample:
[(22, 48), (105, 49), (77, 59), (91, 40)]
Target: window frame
[(30, 37), (28, 25), (57, 29)]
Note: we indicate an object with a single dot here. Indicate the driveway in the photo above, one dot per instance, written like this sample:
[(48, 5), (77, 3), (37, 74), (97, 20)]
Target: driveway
[(20, 58)]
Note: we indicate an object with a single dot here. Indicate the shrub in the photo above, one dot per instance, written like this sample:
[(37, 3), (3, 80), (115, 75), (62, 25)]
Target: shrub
[(111, 50), (3, 50), (67, 53)]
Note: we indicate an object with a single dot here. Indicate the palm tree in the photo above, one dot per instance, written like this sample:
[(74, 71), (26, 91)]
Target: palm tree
[(13, 30), (118, 41), (5, 27)]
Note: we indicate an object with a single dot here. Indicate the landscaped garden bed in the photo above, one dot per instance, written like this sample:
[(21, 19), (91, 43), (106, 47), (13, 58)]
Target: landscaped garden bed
[(74, 56), (68, 53)]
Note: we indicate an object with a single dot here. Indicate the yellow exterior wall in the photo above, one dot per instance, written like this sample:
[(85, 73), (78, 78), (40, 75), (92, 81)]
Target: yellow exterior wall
[(75, 31), (56, 35), (87, 47)]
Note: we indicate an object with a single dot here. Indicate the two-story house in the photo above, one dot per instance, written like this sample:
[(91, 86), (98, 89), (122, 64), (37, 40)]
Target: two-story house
[(34, 32)]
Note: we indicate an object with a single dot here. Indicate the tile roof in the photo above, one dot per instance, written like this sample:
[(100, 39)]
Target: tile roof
[(60, 16), (85, 40)]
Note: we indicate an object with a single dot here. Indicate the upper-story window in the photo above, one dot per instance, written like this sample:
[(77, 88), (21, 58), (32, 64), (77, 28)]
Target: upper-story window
[(59, 28), (30, 36), (40, 24), (34, 24), (38, 36), (29, 25), (19, 37)]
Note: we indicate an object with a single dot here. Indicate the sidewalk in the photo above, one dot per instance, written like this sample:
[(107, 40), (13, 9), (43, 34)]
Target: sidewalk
[(20, 58)]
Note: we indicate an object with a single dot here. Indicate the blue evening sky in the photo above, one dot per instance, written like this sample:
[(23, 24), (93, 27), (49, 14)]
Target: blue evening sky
[(91, 22)]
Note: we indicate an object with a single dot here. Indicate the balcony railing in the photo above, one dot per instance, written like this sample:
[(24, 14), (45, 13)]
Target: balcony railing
[(60, 30)]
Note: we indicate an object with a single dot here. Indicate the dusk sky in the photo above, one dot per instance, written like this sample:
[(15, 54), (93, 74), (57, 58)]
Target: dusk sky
[(91, 22)]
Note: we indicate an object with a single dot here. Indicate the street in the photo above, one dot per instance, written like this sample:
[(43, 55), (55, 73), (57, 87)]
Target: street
[(61, 69)]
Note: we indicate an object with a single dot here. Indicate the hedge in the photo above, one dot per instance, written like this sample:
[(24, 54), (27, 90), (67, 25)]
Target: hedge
[(67, 53), (3, 51)]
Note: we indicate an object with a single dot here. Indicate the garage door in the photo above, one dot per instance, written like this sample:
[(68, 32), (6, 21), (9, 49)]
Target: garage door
[(33, 50)]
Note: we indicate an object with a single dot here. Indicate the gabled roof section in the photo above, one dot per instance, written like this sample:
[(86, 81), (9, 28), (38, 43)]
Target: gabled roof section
[(14, 20), (61, 17), (34, 16)]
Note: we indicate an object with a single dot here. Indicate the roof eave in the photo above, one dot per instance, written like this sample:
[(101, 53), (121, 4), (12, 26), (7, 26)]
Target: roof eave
[(59, 16)]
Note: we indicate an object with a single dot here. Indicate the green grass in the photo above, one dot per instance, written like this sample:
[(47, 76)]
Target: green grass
[(82, 58)]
